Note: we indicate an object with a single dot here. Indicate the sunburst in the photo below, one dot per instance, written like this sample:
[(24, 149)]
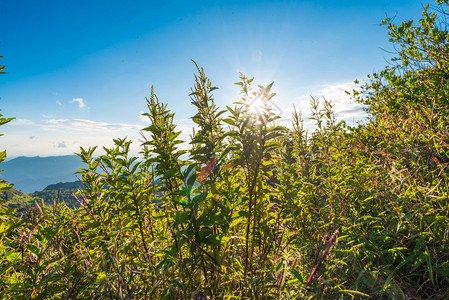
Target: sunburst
[(257, 106)]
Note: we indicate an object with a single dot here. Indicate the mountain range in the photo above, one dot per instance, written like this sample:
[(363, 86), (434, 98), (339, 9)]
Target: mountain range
[(30, 174)]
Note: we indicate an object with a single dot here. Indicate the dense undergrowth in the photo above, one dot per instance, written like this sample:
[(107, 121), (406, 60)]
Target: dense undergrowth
[(258, 210)]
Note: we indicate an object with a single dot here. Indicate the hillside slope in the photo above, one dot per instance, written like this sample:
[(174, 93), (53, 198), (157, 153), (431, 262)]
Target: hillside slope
[(60, 192)]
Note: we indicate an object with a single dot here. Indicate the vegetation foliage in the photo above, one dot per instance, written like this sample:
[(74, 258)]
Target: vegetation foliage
[(256, 210)]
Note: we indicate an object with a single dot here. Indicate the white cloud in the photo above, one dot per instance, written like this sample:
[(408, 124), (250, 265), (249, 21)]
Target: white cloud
[(65, 136), (80, 102), (59, 138), (144, 119), (61, 145), (58, 102), (22, 122), (88, 125), (343, 106)]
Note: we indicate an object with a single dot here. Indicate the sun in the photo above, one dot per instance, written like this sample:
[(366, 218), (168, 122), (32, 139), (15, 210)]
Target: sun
[(257, 106)]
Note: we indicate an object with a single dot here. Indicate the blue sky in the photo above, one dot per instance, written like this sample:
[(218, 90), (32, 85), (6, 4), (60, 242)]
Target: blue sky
[(78, 72)]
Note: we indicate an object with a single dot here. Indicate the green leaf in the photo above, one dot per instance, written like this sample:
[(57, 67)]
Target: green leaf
[(101, 278), (215, 240), (297, 275), (354, 292), (178, 284)]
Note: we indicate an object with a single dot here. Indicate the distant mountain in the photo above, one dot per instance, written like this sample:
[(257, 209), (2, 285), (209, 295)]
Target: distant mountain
[(76, 185), (29, 174)]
